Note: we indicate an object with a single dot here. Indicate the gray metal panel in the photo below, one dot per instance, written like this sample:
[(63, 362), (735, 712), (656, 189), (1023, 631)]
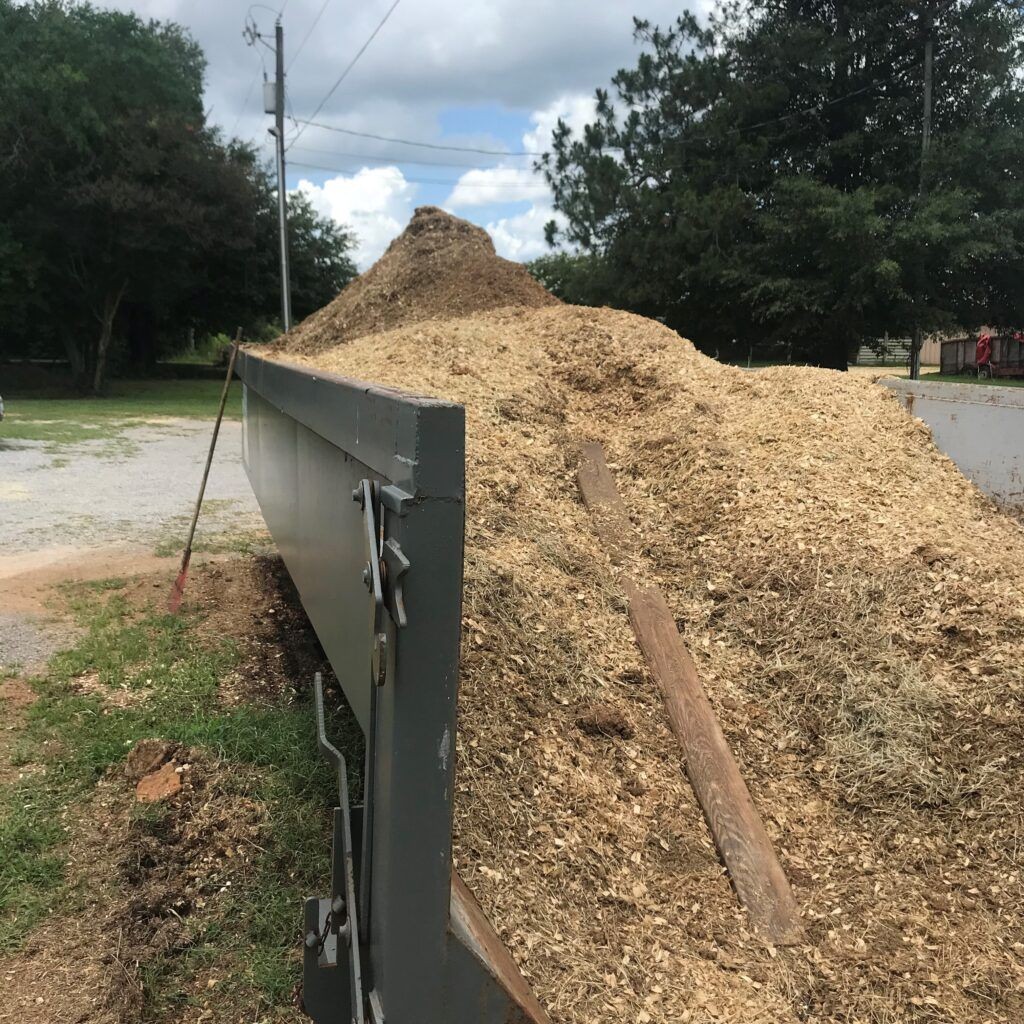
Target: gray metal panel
[(413, 441), (309, 440), (979, 426)]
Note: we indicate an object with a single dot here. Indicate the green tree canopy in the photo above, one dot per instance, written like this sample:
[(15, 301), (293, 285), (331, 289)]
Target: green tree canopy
[(759, 177), (124, 218)]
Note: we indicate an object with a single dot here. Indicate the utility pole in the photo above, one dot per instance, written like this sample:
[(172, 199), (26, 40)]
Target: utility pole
[(282, 191), (922, 187), (273, 103)]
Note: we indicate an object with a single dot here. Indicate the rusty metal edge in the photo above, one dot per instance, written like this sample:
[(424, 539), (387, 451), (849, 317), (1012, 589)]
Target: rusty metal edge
[(471, 927)]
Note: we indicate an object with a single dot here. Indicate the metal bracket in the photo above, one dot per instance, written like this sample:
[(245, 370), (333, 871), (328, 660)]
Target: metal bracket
[(333, 925), (383, 574)]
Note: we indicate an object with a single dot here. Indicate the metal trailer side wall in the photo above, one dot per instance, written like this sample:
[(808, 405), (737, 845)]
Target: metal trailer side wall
[(979, 426), (308, 441)]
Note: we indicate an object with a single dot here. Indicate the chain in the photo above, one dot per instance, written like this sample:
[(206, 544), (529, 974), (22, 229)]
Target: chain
[(318, 939)]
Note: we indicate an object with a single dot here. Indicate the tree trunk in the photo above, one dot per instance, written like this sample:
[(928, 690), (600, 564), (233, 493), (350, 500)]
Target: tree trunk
[(142, 338), (110, 307), (835, 352)]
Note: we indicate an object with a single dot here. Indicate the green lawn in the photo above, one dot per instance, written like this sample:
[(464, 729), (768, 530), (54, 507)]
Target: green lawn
[(969, 378), (268, 751), (63, 420)]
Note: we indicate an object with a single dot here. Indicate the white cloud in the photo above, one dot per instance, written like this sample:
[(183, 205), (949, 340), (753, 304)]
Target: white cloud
[(376, 202), (502, 184), (431, 55), (575, 109), (521, 237)]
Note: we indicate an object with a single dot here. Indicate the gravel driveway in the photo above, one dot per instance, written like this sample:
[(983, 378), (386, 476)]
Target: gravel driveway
[(103, 507), (136, 488)]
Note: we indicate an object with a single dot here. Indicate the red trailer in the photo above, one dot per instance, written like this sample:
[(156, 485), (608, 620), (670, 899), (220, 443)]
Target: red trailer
[(959, 355)]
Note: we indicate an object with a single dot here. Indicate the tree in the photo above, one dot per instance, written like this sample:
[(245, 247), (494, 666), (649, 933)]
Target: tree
[(580, 278), (759, 177), (124, 217)]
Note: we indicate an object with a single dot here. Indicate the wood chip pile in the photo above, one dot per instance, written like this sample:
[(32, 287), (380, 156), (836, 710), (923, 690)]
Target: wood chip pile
[(412, 281), (856, 612)]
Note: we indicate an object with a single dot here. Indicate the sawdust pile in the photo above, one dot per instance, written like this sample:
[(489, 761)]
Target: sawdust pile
[(856, 611), (440, 266)]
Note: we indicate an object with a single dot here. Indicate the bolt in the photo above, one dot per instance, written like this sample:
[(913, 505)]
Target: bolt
[(312, 940), (357, 495), (368, 577)]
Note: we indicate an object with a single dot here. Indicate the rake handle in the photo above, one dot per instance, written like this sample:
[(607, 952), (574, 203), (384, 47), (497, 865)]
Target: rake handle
[(209, 455)]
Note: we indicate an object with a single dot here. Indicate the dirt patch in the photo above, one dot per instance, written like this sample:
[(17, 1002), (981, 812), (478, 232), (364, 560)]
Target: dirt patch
[(160, 784), (33, 625), (873, 693), (147, 756), (151, 883), (16, 694), (89, 685), (439, 267), (608, 722), (254, 604)]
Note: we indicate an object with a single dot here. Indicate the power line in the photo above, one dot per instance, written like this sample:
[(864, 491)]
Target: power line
[(305, 38), (245, 103), (742, 130), (351, 64), (436, 181), (422, 145), (394, 159)]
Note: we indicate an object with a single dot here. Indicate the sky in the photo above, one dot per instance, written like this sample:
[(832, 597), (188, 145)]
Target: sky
[(487, 74)]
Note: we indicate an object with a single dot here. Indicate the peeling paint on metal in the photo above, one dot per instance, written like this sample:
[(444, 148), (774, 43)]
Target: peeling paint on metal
[(444, 749)]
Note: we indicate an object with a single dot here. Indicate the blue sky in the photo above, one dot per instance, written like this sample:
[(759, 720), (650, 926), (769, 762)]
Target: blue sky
[(491, 74)]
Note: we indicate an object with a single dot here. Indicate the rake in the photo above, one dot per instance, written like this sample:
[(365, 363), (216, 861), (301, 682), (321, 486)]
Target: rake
[(178, 590)]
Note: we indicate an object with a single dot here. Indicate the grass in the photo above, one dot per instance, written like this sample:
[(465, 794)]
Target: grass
[(970, 378), (126, 648), (70, 420), (212, 541), (31, 869)]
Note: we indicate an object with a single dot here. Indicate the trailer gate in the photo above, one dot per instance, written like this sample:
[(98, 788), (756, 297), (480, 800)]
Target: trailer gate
[(363, 490)]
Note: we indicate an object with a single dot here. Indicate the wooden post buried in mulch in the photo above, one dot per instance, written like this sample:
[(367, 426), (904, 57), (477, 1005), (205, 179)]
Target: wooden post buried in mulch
[(739, 834)]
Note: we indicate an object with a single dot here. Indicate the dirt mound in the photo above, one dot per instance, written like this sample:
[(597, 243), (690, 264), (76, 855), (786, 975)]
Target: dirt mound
[(439, 267), (256, 604), (148, 881), (856, 610)]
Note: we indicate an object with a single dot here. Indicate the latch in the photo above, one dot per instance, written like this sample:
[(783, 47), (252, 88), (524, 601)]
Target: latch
[(332, 973), (342, 923), (382, 576)]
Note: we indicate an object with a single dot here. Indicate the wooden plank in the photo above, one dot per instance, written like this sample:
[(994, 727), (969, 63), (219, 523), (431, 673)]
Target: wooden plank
[(737, 829), (739, 834), (604, 503)]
